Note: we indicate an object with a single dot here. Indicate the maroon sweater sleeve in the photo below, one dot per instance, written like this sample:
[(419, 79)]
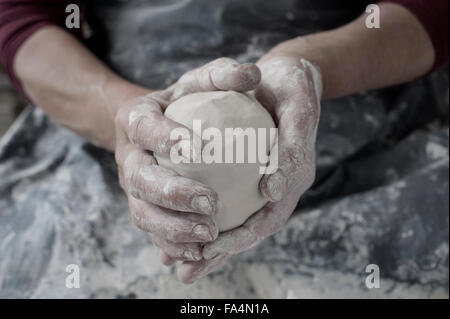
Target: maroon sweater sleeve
[(433, 14), (19, 19)]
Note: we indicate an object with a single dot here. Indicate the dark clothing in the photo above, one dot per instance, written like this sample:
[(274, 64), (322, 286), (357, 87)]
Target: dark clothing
[(434, 17)]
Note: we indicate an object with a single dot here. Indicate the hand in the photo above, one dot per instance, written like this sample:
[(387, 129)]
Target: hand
[(290, 89), (175, 210)]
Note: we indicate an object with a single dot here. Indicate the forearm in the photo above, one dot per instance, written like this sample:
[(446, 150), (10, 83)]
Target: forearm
[(76, 89), (354, 58)]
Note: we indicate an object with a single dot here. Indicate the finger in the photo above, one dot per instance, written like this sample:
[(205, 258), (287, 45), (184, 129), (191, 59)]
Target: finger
[(297, 119), (189, 272), (222, 74), (177, 251), (231, 242), (146, 126), (172, 226), (298, 76), (267, 221), (166, 259), (226, 74), (146, 180), (296, 155)]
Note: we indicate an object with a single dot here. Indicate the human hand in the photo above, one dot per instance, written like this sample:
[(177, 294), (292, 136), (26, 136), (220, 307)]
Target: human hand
[(175, 210), (290, 89)]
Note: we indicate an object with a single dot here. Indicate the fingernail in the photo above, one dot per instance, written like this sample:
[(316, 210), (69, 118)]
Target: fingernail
[(201, 232), (217, 76), (209, 254), (202, 204), (276, 186)]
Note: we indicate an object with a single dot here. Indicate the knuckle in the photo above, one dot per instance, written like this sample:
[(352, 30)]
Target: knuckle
[(224, 60), (121, 116), (176, 237), (135, 128), (295, 157), (178, 195), (182, 83), (137, 219), (140, 218), (130, 179), (137, 120), (123, 153)]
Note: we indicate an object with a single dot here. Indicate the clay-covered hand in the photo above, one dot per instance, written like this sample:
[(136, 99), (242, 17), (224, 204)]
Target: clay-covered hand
[(290, 89), (175, 210)]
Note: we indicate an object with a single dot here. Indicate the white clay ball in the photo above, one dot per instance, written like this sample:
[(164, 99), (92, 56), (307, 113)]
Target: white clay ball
[(237, 184)]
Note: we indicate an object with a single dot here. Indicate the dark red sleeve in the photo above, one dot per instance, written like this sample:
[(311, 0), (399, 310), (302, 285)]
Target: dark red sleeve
[(433, 14), (19, 19)]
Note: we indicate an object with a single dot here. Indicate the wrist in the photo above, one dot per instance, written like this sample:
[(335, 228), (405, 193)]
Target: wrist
[(114, 94), (306, 48), (117, 92)]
